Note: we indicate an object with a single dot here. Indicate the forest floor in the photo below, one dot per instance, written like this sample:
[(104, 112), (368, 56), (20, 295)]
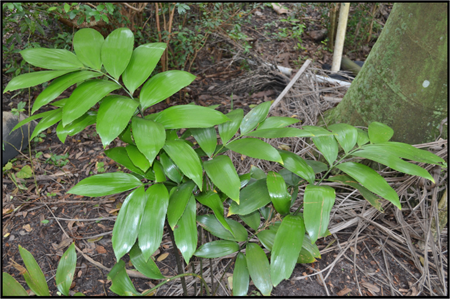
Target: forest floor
[(39, 221)]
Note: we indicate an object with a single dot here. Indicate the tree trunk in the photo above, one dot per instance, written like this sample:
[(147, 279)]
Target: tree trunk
[(403, 83)]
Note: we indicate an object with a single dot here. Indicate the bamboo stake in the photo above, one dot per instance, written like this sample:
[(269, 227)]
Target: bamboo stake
[(340, 37)]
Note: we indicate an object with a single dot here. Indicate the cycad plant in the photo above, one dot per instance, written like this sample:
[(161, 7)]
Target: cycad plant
[(170, 176)]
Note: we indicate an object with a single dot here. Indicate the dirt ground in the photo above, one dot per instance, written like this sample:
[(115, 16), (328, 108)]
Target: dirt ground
[(39, 218)]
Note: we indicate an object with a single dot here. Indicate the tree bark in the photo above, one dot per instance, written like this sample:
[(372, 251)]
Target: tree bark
[(403, 83)]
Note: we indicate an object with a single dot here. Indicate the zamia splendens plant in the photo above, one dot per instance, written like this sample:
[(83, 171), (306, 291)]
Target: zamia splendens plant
[(170, 175)]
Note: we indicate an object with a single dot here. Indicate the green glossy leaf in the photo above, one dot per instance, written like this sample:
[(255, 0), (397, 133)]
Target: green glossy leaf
[(370, 179), (245, 179), (160, 177), (379, 132), (60, 103), (317, 166), (222, 173), (405, 151), (186, 159), (318, 201), (206, 138), (277, 122), (121, 282), (87, 44), (143, 265), (113, 117), (47, 121), (116, 51), (149, 137), (305, 257), (84, 97), (178, 202), (120, 155), (31, 118), (164, 85), (79, 294), (347, 135), (142, 64), (105, 184), (126, 228), (258, 267), (53, 59), (363, 137), (170, 169), (172, 135), (267, 238), (11, 287), (211, 224), (255, 148), (286, 248), (216, 249), (253, 219), (328, 146), (279, 133), (257, 173), (34, 277), (126, 137), (137, 157), (186, 231), (309, 247), (254, 117), (289, 177), (152, 224), (317, 131), (32, 79), (228, 129), (394, 162), (252, 197), (240, 276), (189, 116), (279, 195), (297, 165), (76, 126), (369, 196), (66, 270), (213, 201)]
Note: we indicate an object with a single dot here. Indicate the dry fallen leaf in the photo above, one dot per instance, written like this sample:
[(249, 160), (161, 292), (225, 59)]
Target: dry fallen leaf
[(371, 287), (162, 257), (27, 227), (64, 243), (100, 249), (94, 239), (344, 291), (7, 211), (279, 9), (79, 273), (18, 267)]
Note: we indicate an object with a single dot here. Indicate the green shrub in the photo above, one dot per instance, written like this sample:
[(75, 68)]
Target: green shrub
[(169, 174)]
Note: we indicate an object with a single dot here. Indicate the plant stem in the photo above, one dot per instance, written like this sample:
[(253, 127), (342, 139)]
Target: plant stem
[(177, 258), (175, 277), (334, 165), (226, 269)]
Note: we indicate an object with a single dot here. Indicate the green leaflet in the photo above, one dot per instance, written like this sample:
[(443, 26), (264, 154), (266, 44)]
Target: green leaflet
[(240, 276), (254, 117), (142, 63), (34, 277), (143, 265), (279, 195), (297, 165), (87, 44), (113, 117), (347, 135), (31, 118), (66, 270), (252, 197), (120, 155), (258, 267), (317, 131), (105, 184), (160, 177), (189, 116), (186, 159), (126, 228), (277, 122), (76, 126), (84, 97), (212, 201), (253, 219), (170, 169), (152, 224), (11, 287), (328, 146), (211, 224), (379, 132), (149, 137), (318, 201), (121, 282), (206, 138), (33, 79), (370, 179), (286, 248), (186, 232), (228, 129), (216, 249), (257, 173), (116, 51), (222, 173), (279, 133), (255, 148), (47, 121), (137, 157), (164, 85), (53, 59), (178, 202), (363, 137)]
